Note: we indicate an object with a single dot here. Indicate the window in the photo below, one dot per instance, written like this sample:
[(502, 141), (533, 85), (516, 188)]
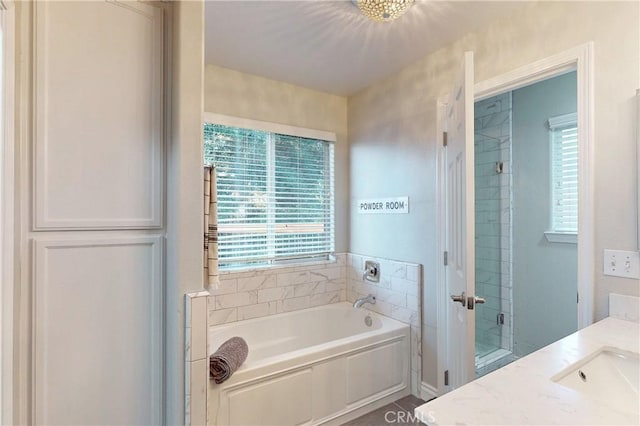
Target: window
[(564, 174), (275, 195)]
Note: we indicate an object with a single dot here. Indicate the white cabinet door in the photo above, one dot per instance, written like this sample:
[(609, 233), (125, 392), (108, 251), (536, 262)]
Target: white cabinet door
[(98, 104), (97, 226), (98, 331)]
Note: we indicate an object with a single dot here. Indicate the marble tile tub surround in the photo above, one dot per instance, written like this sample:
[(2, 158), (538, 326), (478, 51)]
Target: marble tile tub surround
[(397, 293), (397, 296), (268, 291), (196, 358)]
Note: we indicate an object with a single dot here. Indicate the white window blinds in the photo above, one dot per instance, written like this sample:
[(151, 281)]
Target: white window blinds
[(564, 173), (275, 195)]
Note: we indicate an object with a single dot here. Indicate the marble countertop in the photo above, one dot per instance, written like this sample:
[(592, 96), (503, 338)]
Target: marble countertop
[(522, 393)]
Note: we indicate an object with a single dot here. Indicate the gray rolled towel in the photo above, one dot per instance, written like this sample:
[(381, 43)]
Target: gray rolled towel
[(227, 359)]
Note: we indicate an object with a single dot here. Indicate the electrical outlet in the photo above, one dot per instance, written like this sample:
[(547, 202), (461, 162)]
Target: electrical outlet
[(620, 263)]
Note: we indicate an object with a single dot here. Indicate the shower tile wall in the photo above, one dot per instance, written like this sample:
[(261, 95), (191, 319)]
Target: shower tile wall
[(493, 222)]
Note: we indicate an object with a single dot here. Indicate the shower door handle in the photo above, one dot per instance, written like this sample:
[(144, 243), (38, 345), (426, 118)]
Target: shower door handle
[(474, 300), (461, 298)]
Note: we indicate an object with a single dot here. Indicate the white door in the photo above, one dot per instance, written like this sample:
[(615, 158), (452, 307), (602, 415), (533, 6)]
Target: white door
[(460, 270)]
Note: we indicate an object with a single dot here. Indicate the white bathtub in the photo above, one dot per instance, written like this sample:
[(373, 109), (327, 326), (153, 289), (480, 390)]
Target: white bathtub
[(321, 365)]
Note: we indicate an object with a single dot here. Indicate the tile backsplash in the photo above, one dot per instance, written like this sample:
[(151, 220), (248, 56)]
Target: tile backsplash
[(624, 307)]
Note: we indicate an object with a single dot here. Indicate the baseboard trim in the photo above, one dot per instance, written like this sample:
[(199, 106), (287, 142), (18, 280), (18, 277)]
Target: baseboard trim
[(428, 392)]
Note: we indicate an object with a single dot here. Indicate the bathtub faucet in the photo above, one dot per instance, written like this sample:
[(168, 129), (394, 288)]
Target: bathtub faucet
[(367, 299)]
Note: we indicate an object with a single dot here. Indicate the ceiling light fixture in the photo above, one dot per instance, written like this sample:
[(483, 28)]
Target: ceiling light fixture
[(383, 10)]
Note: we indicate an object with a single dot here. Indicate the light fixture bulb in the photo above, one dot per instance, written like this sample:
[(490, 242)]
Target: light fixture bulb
[(383, 10)]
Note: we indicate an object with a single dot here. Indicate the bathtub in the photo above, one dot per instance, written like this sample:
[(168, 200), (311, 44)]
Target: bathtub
[(322, 365)]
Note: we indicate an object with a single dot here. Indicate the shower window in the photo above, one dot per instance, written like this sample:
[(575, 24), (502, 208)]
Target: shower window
[(275, 195), (564, 174)]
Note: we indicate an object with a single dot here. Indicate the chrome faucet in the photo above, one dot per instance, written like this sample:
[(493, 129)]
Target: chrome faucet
[(367, 299)]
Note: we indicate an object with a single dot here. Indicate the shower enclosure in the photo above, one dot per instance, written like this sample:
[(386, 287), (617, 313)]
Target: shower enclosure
[(493, 240)]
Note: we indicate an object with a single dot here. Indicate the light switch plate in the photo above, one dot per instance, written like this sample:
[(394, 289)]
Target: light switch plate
[(620, 263)]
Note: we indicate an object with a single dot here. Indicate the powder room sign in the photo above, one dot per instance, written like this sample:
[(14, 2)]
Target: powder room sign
[(395, 205)]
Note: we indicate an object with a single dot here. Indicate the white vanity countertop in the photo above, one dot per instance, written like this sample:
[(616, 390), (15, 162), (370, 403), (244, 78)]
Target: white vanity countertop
[(522, 393)]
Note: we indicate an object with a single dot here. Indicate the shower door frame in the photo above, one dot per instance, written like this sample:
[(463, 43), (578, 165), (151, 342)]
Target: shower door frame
[(580, 59)]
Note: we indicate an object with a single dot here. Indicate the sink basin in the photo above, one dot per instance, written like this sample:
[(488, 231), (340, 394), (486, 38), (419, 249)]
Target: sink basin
[(610, 375)]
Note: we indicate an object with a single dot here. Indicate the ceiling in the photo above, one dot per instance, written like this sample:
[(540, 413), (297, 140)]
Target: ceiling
[(329, 45)]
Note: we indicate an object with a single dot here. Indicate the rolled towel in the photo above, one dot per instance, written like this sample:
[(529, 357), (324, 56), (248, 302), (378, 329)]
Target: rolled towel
[(227, 359)]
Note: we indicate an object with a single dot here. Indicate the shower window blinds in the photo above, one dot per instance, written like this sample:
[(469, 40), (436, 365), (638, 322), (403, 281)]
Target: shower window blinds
[(564, 173), (275, 195)]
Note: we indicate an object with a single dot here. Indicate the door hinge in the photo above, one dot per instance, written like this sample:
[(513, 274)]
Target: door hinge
[(577, 297), (446, 258), (444, 138), (446, 377)]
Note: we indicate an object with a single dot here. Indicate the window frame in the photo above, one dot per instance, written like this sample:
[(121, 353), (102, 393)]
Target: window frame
[(555, 123), (245, 123)]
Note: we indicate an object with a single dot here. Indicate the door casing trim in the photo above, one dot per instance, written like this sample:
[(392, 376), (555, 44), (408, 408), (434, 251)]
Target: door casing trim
[(7, 205)]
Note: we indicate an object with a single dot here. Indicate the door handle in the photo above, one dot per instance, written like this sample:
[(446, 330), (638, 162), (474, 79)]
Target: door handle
[(474, 300), (460, 298)]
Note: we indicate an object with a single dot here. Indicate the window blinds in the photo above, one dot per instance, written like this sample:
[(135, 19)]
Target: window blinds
[(275, 195), (564, 173)]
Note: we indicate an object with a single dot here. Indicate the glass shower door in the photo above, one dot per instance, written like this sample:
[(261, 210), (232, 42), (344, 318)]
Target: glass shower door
[(493, 227)]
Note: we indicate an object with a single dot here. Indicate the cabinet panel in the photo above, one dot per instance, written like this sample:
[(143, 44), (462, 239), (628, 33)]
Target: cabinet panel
[(98, 122), (390, 370), (285, 400), (98, 324)]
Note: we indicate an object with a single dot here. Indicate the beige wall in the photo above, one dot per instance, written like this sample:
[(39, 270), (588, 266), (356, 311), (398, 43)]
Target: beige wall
[(392, 136), (184, 198), (237, 94)]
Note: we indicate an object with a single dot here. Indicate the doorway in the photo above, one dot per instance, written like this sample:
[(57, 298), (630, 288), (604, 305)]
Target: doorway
[(526, 198), (457, 298)]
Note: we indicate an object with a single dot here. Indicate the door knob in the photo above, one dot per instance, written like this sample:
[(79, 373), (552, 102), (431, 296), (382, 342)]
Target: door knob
[(460, 298), (474, 300)]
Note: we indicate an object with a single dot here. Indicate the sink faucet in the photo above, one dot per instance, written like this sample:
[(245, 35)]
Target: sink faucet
[(367, 299)]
